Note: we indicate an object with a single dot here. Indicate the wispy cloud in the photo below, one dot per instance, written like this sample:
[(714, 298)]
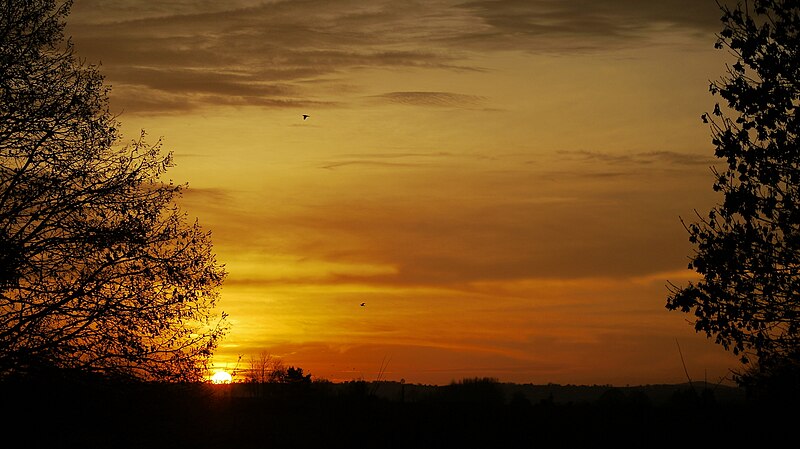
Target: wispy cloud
[(450, 229), (339, 164), (676, 158), (663, 158), (252, 54), (208, 195), (390, 160), (581, 25), (436, 99)]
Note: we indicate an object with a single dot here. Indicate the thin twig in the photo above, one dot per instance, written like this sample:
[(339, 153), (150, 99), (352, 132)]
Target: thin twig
[(684, 365)]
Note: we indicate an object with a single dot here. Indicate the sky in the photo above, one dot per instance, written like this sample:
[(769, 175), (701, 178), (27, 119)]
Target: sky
[(500, 182)]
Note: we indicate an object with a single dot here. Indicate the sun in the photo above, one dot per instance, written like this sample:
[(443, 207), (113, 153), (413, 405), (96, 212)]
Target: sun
[(221, 377)]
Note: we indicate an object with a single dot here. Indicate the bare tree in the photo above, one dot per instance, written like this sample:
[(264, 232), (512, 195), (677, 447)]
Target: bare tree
[(100, 271), (261, 367)]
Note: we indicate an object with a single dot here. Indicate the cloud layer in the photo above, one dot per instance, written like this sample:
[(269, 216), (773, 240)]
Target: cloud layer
[(178, 56)]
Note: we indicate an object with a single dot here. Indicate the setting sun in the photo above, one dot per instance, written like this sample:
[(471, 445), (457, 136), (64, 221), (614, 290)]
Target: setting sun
[(221, 377)]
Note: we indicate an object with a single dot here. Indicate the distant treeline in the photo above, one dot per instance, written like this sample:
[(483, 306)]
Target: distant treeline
[(492, 391), (470, 413)]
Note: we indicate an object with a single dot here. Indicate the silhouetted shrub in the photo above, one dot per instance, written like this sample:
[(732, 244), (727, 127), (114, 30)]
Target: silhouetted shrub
[(773, 379), (481, 390)]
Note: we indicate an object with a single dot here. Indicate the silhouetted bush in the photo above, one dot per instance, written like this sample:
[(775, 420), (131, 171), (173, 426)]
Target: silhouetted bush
[(483, 390), (773, 379)]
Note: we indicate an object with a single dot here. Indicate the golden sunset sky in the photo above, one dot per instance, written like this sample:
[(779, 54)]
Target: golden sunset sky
[(500, 181)]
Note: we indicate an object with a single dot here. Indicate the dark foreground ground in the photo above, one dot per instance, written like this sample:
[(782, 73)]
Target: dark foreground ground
[(387, 415)]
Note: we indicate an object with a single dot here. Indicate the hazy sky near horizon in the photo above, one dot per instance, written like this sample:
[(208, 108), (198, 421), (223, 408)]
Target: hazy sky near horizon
[(500, 181)]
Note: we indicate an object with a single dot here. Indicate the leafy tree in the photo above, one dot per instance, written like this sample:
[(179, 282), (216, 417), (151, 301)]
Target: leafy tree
[(747, 249), (100, 271), (291, 375)]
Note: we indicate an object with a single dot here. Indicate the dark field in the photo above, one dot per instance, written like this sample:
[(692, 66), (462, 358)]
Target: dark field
[(479, 414)]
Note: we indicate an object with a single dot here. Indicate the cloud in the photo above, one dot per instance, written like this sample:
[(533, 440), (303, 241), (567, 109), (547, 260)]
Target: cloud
[(260, 54), (213, 195), (200, 81), (435, 99), (582, 25), (665, 158), (521, 344), (182, 55), (389, 160), (446, 219), (141, 99), (334, 165), (451, 224), (676, 158)]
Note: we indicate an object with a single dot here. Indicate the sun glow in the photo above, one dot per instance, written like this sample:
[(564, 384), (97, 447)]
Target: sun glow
[(221, 377)]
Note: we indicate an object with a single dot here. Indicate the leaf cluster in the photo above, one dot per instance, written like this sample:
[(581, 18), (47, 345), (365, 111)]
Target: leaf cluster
[(747, 248)]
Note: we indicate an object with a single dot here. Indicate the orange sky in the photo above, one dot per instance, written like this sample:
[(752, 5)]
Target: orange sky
[(499, 181)]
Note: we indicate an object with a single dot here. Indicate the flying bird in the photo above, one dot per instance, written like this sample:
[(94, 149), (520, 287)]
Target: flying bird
[(305, 116), (363, 304)]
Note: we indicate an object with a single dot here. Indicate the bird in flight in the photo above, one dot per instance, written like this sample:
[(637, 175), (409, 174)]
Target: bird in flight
[(305, 116), (363, 304)]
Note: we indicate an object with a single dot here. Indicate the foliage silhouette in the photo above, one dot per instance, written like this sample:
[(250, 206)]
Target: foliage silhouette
[(482, 390), (293, 375), (100, 271), (748, 247)]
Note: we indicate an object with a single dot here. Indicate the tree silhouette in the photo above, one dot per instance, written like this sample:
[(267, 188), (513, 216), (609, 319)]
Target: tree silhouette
[(99, 269), (748, 247), (291, 375)]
